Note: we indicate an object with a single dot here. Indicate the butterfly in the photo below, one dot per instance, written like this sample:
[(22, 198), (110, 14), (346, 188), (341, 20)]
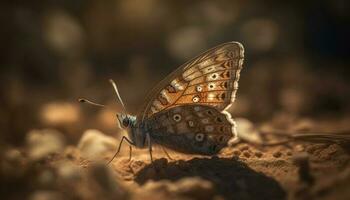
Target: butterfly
[(187, 111)]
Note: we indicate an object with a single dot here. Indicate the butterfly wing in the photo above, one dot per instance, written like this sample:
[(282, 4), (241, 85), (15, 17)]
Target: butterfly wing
[(209, 79), (195, 129)]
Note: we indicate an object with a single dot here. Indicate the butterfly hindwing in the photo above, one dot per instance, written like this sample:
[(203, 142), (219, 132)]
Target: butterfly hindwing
[(209, 79), (191, 129)]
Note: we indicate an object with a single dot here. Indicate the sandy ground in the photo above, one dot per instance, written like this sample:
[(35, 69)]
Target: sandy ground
[(299, 170)]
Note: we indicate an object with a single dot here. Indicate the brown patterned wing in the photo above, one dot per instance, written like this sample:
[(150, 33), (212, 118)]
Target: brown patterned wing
[(195, 129), (209, 79)]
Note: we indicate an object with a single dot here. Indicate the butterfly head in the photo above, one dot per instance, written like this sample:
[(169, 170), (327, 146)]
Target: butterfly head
[(126, 121)]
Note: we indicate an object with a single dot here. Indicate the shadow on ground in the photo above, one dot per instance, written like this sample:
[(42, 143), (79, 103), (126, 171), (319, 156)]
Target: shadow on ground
[(233, 179)]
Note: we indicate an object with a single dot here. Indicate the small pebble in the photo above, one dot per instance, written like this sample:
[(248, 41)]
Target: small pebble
[(13, 155), (46, 178), (68, 171), (194, 188), (277, 154), (258, 154), (315, 148), (42, 143), (246, 154), (57, 113), (105, 180), (45, 195), (157, 186), (93, 144), (329, 152), (237, 153), (245, 147), (299, 148), (247, 131)]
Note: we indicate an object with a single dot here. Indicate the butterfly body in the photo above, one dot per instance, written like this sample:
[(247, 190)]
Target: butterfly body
[(186, 111)]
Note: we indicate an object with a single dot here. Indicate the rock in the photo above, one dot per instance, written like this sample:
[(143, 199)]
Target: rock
[(159, 186), (42, 143), (194, 188), (237, 152), (246, 154), (46, 178), (106, 183), (13, 155), (185, 188), (155, 190), (329, 152), (94, 143), (299, 148), (45, 195), (247, 131), (244, 147), (58, 113), (258, 154), (277, 154), (68, 171)]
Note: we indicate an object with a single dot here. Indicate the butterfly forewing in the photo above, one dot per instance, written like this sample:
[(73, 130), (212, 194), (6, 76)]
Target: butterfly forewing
[(209, 79)]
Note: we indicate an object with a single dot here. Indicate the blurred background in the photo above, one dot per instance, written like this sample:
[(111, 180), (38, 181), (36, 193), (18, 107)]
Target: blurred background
[(53, 52)]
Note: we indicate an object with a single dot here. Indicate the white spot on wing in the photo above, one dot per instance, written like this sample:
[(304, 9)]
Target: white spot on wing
[(209, 128)]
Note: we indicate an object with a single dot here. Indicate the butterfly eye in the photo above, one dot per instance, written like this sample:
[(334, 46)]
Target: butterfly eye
[(195, 99), (126, 122), (199, 137), (177, 117)]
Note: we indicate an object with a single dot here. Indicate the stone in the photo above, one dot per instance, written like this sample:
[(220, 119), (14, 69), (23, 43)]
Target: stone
[(68, 171), (94, 143), (258, 154), (45, 195), (46, 178), (247, 131), (185, 188), (59, 113), (246, 154), (277, 154), (42, 143), (194, 188), (106, 182)]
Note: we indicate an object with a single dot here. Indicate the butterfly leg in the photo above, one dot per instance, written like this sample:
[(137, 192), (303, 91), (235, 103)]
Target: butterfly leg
[(149, 146), (119, 147), (166, 153), (130, 152)]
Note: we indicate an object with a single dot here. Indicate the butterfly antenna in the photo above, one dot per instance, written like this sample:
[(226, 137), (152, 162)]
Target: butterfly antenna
[(117, 93), (83, 100)]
